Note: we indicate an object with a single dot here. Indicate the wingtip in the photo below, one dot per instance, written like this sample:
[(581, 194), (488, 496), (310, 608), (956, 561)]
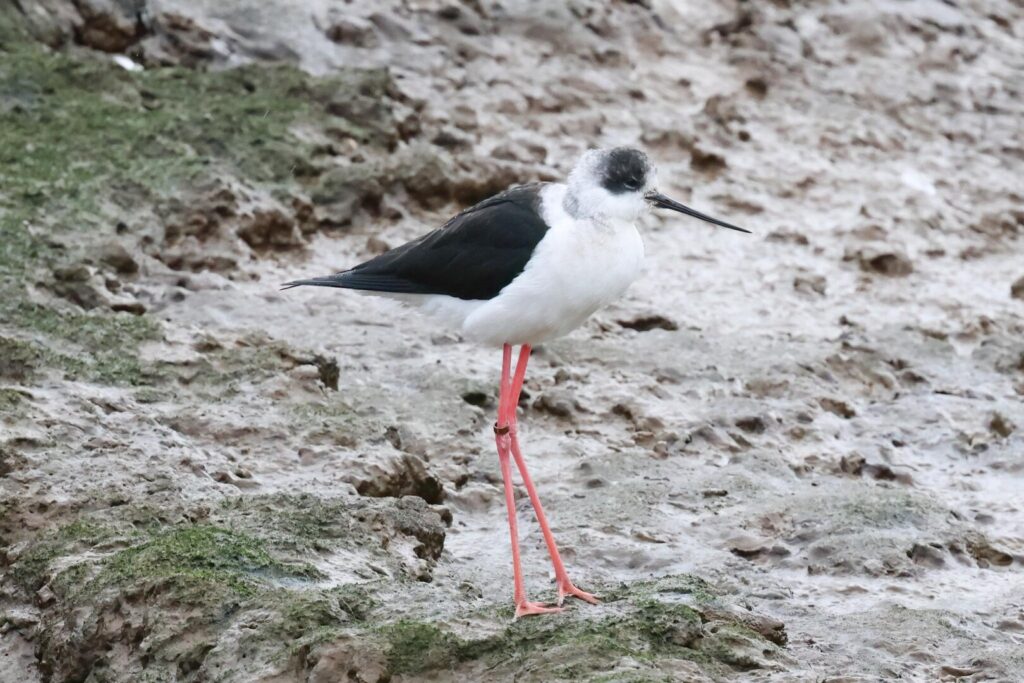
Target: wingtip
[(313, 282)]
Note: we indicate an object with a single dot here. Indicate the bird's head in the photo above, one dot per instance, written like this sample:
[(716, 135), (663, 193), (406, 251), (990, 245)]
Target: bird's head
[(621, 183)]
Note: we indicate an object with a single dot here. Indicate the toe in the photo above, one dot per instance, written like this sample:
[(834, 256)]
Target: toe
[(572, 590), (529, 609)]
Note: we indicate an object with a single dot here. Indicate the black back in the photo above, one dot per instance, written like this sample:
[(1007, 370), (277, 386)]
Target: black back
[(473, 256)]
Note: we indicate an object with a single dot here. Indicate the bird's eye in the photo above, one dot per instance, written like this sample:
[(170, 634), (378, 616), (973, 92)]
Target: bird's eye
[(632, 184)]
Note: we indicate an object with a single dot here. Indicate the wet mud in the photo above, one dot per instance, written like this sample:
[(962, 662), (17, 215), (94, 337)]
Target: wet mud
[(791, 456)]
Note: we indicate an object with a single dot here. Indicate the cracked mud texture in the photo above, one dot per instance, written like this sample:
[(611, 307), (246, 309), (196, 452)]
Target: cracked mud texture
[(796, 455)]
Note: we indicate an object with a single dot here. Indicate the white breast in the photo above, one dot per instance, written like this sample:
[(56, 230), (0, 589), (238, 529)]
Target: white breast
[(578, 267)]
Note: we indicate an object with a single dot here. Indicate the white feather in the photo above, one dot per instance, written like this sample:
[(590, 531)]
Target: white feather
[(581, 264)]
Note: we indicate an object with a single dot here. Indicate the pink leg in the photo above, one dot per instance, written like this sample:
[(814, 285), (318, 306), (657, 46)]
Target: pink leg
[(503, 439), (565, 586)]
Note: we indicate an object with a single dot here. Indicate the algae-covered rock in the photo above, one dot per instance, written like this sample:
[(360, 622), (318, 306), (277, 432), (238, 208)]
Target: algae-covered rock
[(195, 596), (264, 586), (99, 347), (644, 629), (19, 360)]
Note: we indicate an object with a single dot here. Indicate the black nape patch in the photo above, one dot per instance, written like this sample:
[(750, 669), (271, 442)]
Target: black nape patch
[(624, 170)]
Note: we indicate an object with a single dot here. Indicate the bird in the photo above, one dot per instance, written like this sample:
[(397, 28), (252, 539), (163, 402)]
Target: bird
[(521, 268)]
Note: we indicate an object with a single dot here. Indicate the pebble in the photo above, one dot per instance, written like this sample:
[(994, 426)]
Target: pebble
[(558, 402), (881, 260), (646, 323), (1017, 289)]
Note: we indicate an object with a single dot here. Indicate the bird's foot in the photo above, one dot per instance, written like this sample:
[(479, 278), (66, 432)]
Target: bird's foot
[(529, 609), (565, 588)]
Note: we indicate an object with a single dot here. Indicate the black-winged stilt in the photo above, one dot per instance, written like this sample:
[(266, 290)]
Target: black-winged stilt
[(521, 268)]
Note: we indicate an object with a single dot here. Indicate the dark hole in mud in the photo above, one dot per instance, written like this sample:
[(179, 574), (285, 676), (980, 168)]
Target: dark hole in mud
[(405, 476), (758, 87), (706, 162), (838, 407), (646, 323), (987, 555), (739, 24), (754, 424), (477, 398), (889, 264)]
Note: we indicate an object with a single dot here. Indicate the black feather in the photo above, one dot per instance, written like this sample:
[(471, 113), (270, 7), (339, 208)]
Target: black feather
[(624, 170), (473, 256)]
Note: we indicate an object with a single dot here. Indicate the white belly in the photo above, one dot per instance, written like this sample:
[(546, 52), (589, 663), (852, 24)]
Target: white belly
[(576, 269)]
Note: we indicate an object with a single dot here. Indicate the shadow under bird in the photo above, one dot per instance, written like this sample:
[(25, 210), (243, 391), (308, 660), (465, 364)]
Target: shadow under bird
[(526, 266)]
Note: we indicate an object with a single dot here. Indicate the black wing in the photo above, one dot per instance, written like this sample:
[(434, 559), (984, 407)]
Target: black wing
[(473, 256)]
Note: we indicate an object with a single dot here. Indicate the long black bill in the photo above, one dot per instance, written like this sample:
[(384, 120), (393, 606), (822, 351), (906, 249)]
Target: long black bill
[(663, 202)]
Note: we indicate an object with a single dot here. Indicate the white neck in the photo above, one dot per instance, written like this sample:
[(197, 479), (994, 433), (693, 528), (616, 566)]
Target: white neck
[(587, 200)]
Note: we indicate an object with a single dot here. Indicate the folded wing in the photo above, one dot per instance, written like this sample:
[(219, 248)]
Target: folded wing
[(473, 256)]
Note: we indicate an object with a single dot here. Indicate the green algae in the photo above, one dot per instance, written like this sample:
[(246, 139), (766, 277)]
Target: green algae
[(200, 556), (194, 557), (12, 401), (642, 629), (32, 568), (83, 143), (77, 131), (415, 646), (308, 618), (19, 360), (152, 395), (68, 583), (13, 28), (642, 626), (74, 127), (666, 624), (332, 411), (250, 359), (219, 574), (225, 371), (886, 509), (90, 330), (731, 644), (199, 575), (332, 421), (699, 590), (76, 134), (357, 600), (93, 346), (630, 678), (302, 521)]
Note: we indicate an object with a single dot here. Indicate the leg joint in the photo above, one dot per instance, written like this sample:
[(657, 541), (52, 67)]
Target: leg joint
[(501, 430)]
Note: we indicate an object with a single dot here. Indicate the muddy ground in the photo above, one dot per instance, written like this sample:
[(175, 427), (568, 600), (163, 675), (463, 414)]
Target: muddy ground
[(792, 456)]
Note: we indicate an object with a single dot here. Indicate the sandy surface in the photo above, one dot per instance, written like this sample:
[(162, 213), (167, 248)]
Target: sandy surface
[(825, 423)]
